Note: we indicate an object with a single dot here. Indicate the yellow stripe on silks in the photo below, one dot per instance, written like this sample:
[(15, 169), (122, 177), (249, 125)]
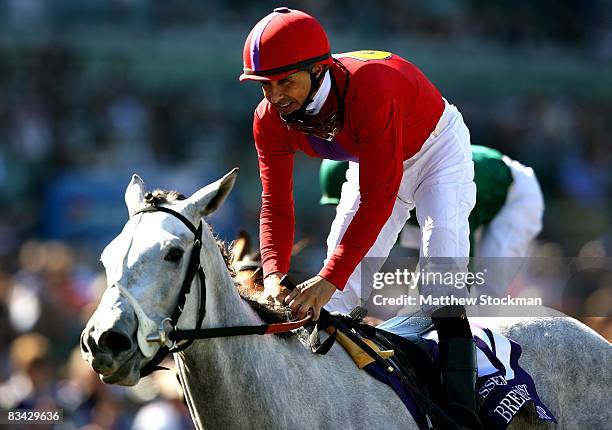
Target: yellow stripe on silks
[(359, 356)]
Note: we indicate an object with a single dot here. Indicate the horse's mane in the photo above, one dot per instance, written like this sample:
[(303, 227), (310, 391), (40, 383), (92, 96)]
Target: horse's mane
[(159, 197)]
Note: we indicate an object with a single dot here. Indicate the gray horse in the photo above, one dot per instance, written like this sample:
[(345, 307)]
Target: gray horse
[(275, 382)]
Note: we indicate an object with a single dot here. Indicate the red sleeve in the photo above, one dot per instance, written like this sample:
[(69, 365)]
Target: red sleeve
[(276, 219), (380, 175)]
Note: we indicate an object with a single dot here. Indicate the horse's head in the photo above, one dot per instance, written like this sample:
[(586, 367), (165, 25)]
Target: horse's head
[(146, 265)]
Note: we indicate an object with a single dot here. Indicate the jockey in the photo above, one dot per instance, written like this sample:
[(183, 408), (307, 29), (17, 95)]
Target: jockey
[(506, 218), (410, 148)]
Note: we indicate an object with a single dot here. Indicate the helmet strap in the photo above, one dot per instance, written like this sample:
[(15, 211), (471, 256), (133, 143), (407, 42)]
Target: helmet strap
[(315, 84), (324, 126)]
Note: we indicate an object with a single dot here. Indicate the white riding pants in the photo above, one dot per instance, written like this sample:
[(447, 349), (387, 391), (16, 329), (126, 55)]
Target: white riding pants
[(504, 242), (439, 182), (513, 228)]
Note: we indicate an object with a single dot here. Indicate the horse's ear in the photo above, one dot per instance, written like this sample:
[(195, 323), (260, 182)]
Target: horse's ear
[(134, 194), (208, 199)]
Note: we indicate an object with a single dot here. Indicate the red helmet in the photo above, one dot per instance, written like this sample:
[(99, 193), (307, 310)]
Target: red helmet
[(283, 43)]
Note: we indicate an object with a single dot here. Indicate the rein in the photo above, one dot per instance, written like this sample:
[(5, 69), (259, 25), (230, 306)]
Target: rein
[(174, 335)]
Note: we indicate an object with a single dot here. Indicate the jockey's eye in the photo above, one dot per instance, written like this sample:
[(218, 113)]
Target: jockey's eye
[(174, 255)]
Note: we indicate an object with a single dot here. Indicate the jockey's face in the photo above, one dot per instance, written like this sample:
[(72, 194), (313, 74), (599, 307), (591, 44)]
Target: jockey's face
[(288, 94)]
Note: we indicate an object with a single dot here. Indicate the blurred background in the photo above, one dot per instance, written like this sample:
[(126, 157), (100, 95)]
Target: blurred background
[(91, 92)]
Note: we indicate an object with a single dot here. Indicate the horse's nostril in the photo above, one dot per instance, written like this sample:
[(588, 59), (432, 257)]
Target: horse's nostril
[(115, 342)]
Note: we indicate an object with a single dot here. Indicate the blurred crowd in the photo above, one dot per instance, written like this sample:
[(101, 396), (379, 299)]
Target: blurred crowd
[(70, 110), (43, 308), (583, 23)]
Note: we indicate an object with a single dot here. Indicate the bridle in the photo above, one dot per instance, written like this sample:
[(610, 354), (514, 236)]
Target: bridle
[(173, 336)]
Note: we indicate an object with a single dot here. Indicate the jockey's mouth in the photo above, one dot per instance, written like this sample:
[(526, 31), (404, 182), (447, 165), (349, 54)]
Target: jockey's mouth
[(286, 107)]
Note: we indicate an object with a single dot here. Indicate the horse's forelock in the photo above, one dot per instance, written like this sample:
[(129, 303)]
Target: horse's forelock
[(157, 197)]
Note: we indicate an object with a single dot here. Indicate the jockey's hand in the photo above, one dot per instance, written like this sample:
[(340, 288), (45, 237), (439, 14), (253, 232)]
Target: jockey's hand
[(310, 295), (273, 291)]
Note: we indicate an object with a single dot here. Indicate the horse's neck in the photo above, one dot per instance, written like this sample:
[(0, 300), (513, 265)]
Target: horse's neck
[(243, 381), (226, 378), (215, 371)]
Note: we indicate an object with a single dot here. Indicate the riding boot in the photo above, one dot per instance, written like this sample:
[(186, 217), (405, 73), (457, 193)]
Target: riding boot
[(459, 369), (458, 365)]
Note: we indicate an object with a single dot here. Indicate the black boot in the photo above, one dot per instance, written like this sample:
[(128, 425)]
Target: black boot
[(458, 365), (459, 369)]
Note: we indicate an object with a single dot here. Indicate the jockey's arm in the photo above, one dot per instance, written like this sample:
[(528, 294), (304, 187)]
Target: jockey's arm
[(276, 219)]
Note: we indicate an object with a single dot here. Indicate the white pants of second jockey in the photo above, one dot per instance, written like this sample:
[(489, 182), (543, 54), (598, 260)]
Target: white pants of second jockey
[(504, 242), (439, 182), (520, 219)]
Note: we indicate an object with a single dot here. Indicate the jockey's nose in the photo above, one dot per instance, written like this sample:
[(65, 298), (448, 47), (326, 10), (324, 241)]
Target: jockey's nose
[(275, 97), (276, 94), (114, 342)]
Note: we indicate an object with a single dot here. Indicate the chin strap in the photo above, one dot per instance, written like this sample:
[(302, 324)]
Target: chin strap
[(315, 84), (324, 125)]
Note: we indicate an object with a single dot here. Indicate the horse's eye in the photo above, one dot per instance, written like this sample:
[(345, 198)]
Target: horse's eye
[(174, 255)]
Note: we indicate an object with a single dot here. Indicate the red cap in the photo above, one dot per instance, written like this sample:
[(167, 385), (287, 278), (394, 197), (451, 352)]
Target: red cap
[(282, 43)]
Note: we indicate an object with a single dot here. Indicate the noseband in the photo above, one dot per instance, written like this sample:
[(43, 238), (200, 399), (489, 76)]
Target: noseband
[(174, 335)]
